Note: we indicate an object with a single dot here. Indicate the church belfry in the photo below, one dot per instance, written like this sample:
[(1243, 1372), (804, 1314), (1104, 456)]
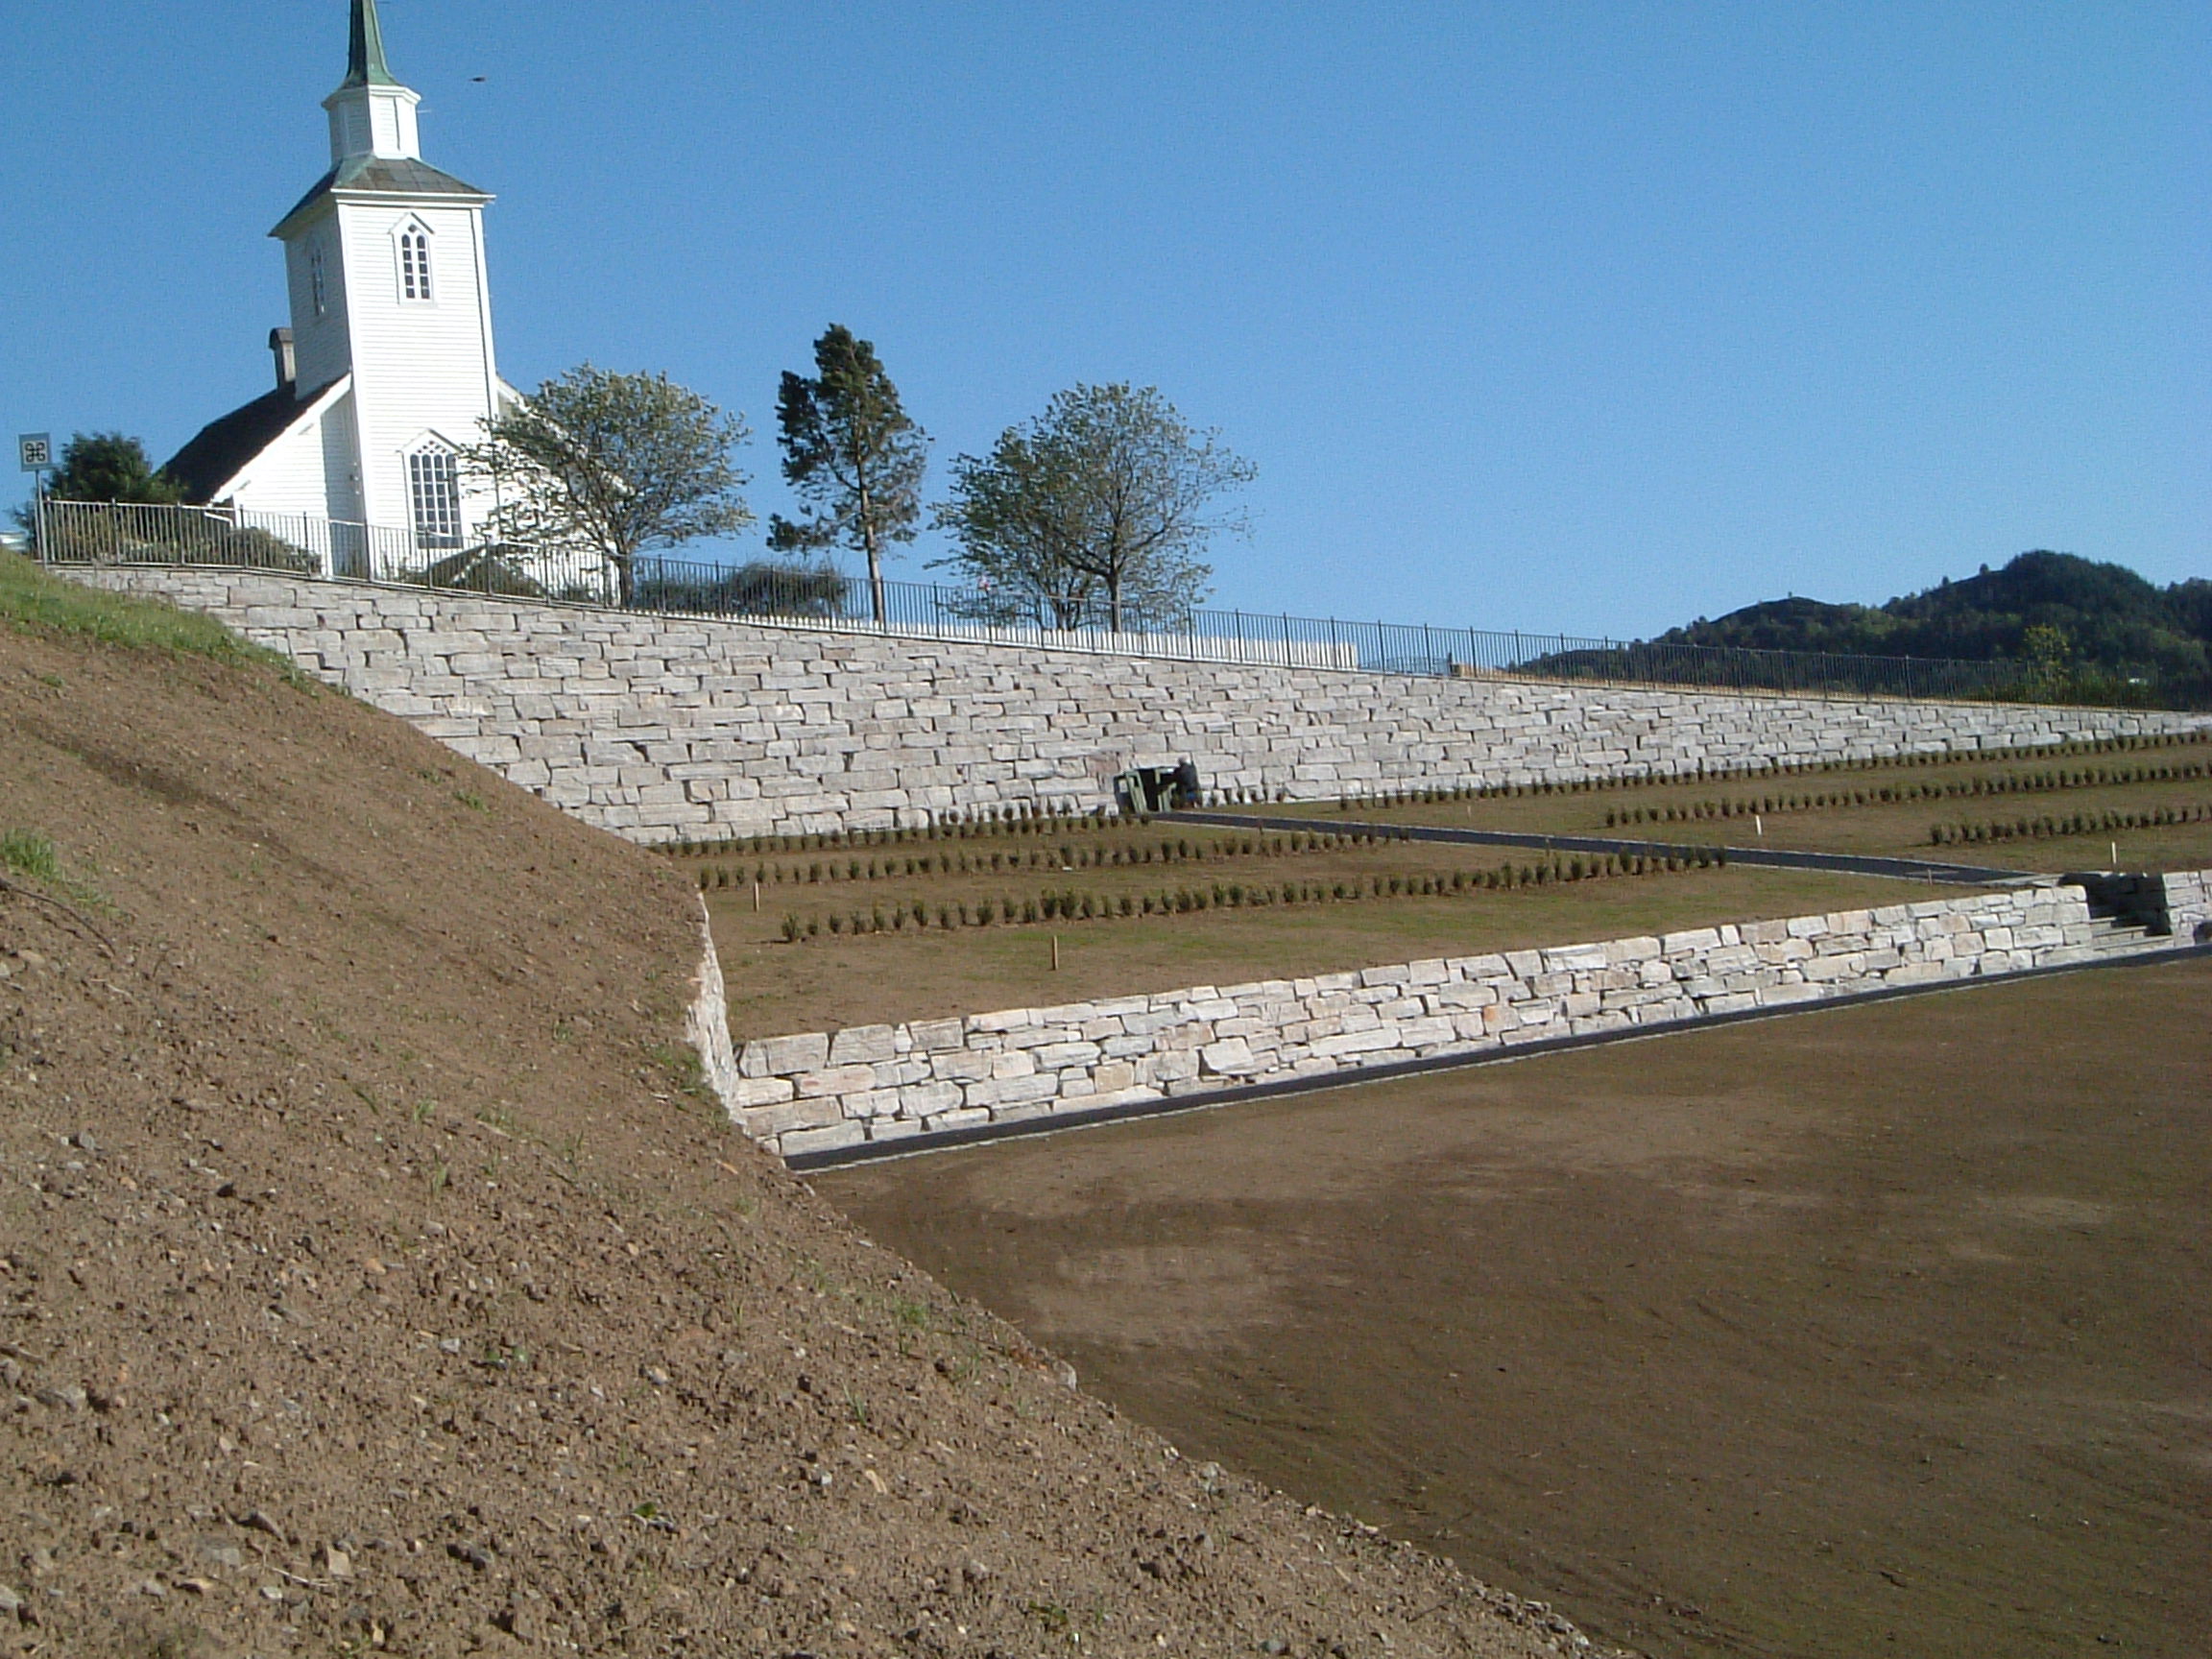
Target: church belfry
[(392, 360), (370, 114)]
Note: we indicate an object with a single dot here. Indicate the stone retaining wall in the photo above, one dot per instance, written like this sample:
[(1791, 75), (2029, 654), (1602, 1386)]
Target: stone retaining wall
[(661, 729), (2189, 906), (820, 1091)]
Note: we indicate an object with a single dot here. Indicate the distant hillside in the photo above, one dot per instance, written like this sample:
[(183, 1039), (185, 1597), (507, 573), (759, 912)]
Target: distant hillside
[(2092, 629)]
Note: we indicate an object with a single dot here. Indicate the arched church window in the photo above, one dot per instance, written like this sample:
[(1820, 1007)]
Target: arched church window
[(434, 490), (413, 264)]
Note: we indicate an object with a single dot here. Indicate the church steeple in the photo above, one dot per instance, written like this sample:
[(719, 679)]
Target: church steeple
[(370, 114), (365, 64)]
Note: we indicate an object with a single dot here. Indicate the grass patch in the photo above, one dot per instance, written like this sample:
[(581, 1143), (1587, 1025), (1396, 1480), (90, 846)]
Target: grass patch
[(35, 600), (27, 853), (31, 856)]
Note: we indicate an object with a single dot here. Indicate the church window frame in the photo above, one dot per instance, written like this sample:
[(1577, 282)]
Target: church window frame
[(434, 496), (411, 247), (318, 282)]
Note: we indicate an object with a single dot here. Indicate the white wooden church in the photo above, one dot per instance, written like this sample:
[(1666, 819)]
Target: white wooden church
[(388, 367)]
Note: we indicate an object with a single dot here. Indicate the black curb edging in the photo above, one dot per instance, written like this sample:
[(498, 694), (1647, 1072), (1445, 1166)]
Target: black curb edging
[(976, 1133), (1846, 863)]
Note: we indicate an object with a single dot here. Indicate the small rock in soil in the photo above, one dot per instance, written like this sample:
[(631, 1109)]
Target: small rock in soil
[(259, 1521)]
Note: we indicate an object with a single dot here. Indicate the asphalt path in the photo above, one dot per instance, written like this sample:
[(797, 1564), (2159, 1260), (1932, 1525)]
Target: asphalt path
[(1848, 863)]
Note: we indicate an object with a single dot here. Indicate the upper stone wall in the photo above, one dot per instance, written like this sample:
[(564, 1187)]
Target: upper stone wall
[(663, 729)]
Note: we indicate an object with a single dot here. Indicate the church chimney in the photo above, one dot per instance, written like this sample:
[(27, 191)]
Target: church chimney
[(287, 369)]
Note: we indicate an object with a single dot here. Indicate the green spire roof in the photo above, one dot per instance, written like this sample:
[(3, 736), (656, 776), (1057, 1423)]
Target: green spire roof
[(365, 64)]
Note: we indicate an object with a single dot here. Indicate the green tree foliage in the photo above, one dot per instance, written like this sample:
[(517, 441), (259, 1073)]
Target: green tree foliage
[(758, 588), (852, 454), (614, 464), (110, 467), (2092, 630), (1108, 495)]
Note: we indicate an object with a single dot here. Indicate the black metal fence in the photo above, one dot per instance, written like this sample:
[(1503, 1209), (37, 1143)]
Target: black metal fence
[(819, 596)]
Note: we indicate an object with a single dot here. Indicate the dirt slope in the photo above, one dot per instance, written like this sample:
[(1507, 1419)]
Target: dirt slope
[(374, 1279)]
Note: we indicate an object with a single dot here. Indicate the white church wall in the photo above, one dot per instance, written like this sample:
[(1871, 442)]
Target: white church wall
[(342, 462), (420, 367), (290, 475), (320, 350)]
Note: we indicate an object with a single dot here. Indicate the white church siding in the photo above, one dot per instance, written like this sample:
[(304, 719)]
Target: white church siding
[(319, 336), (291, 474), (421, 365), (341, 461)]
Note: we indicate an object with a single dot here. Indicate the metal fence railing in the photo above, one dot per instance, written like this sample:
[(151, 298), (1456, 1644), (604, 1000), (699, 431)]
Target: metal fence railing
[(100, 533)]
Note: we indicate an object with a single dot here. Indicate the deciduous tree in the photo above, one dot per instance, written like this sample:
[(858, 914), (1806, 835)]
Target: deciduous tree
[(1109, 493), (110, 467), (614, 464)]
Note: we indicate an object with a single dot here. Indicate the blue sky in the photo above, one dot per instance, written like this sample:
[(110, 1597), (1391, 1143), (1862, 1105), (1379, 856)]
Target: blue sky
[(1591, 317)]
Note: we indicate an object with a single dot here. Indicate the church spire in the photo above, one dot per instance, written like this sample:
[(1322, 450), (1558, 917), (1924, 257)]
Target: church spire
[(370, 114), (365, 64)]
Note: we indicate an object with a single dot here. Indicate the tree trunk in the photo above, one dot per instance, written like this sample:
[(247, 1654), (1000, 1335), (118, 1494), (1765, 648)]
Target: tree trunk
[(875, 559), (1114, 600), (625, 578)]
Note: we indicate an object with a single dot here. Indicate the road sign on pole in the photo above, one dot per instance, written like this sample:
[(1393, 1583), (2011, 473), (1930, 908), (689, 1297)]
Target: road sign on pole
[(35, 452)]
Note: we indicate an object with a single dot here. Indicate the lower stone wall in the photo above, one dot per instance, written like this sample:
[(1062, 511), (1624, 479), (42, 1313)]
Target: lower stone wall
[(821, 1092), (665, 729), (2188, 908)]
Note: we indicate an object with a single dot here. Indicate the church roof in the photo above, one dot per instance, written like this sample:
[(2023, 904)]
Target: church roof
[(383, 175), (365, 64), (219, 451)]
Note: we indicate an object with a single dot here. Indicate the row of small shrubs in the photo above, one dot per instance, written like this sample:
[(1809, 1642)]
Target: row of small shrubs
[(1181, 849), (985, 823), (1067, 906), (2080, 824), (1951, 788), (1702, 773)]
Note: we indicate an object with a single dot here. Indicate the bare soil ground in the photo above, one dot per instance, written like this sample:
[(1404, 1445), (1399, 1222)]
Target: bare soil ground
[(1873, 1330), (374, 1279)]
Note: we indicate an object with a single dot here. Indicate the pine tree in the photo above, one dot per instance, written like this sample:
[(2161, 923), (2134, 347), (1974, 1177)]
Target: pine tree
[(852, 454)]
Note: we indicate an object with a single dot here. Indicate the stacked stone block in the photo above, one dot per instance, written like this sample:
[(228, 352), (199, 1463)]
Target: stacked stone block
[(663, 729)]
